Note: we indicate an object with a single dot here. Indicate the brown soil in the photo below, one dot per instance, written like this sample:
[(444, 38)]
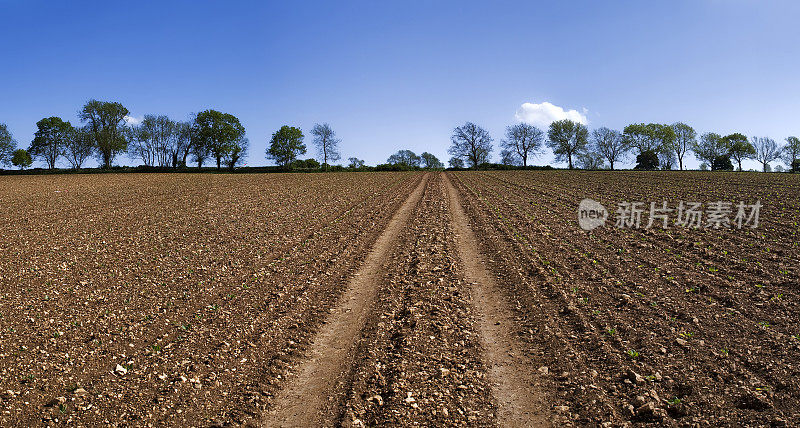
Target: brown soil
[(410, 299)]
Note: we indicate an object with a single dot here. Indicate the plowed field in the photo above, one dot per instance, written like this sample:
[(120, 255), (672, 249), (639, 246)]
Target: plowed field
[(412, 299)]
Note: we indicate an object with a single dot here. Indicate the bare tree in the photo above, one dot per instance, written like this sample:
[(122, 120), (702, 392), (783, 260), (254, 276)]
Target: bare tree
[(685, 139), (326, 142), (609, 144), (153, 140), (140, 143), (79, 147), (524, 140), (472, 143), (767, 150)]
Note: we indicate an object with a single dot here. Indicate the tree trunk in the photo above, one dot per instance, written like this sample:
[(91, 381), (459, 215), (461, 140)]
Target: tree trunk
[(612, 164)]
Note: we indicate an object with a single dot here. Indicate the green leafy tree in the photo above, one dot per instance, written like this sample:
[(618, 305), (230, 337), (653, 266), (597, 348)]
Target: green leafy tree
[(355, 163), (50, 140), (326, 142), (609, 144), (791, 151), (456, 163), (21, 158), (647, 160), (709, 147), (218, 132), (404, 157), (237, 154), (722, 163), (106, 122), (567, 139), (309, 163), (685, 139), (286, 145), (650, 137), (523, 140), (738, 147), (430, 161), (7, 145), (471, 143)]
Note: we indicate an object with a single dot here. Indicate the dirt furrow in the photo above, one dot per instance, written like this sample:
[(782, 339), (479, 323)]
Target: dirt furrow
[(515, 386), (303, 403)]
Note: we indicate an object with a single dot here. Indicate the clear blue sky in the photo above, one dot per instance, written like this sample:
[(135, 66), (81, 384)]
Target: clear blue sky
[(389, 75)]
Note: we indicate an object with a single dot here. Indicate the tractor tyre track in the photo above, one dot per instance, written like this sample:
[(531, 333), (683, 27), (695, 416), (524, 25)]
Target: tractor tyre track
[(304, 402), (515, 387)]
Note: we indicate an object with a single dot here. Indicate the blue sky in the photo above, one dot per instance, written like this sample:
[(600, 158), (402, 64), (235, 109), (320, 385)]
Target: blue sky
[(392, 75)]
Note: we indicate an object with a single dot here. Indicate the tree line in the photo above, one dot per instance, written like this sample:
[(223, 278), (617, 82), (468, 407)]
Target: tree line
[(218, 137), (655, 146), (158, 141)]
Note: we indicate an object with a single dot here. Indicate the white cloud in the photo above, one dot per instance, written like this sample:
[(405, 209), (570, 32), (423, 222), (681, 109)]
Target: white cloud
[(543, 114), (130, 120)]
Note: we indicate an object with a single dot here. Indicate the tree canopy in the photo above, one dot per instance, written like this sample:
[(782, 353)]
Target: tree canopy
[(218, 132), (286, 145), (50, 140), (738, 147), (430, 161), (609, 144), (404, 157), (106, 122), (21, 158), (567, 139), (709, 147)]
